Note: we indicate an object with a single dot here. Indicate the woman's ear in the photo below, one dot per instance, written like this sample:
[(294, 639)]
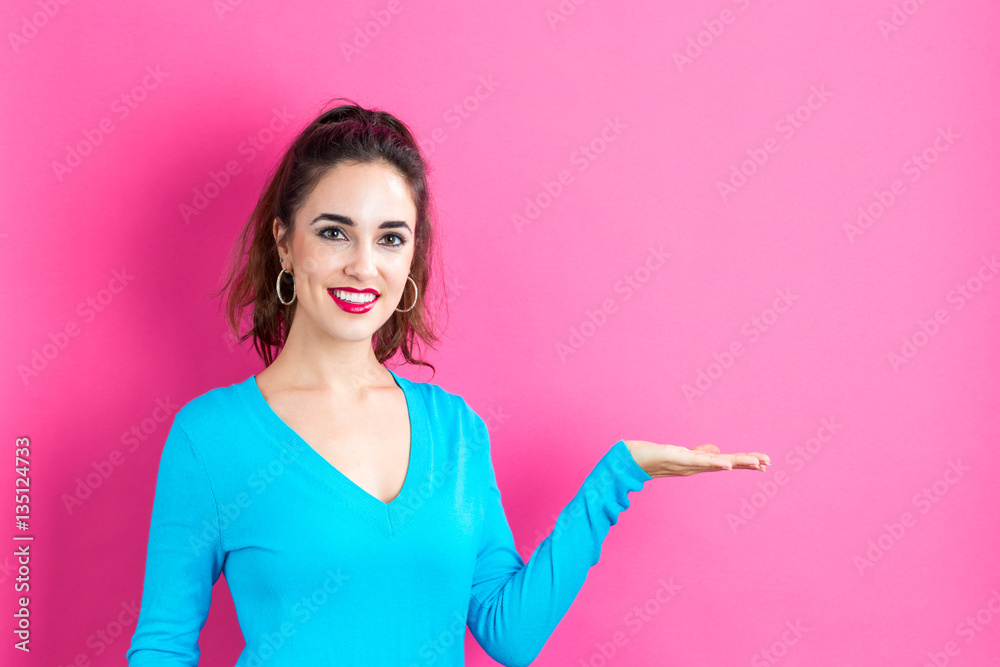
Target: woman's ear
[(278, 230)]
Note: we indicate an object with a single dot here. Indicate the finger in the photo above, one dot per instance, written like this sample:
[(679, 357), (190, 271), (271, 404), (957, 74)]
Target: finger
[(711, 449), (752, 458), (762, 460), (706, 460), (749, 461), (744, 461)]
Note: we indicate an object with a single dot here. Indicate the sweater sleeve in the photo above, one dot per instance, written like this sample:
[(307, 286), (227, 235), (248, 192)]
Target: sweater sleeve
[(515, 607), (184, 558)]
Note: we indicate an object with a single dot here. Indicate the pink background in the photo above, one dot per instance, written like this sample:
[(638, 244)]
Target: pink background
[(876, 488)]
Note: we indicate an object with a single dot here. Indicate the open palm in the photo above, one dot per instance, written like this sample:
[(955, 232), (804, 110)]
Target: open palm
[(675, 461)]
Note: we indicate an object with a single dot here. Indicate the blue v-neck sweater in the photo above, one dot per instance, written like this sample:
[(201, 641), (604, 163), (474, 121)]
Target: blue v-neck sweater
[(323, 573)]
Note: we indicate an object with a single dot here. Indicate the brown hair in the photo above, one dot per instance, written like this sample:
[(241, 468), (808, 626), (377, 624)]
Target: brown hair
[(345, 134)]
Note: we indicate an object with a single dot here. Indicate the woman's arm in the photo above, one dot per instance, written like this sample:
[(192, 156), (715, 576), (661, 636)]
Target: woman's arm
[(183, 560), (515, 607)]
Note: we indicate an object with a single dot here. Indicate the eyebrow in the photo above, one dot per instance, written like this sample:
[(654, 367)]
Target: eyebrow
[(345, 220)]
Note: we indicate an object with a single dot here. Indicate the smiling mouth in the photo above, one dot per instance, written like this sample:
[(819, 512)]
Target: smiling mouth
[(359, 298)]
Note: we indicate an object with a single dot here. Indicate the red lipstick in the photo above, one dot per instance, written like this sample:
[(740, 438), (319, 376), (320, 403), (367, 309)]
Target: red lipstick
[(350, 306)]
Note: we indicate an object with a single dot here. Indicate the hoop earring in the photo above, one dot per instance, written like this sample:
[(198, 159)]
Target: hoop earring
[(278, 288), (416, 293)]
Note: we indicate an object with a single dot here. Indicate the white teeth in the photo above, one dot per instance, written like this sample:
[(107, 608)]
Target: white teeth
[(354, 297)]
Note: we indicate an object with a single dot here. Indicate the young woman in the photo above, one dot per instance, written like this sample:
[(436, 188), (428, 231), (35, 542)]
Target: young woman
[(355, 513)]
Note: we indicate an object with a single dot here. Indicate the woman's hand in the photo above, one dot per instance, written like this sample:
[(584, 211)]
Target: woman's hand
[(674, 461)]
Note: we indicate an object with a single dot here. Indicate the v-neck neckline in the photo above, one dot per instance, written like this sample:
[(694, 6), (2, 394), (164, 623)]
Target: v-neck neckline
[(388, 516)]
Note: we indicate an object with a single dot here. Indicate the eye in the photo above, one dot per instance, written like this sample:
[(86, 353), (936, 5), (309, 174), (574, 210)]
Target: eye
[(323, 231), (402, 241)]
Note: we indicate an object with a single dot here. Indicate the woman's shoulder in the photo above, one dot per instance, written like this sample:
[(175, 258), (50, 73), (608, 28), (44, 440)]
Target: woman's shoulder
[(439, 400), (214, 406), (454, 421)]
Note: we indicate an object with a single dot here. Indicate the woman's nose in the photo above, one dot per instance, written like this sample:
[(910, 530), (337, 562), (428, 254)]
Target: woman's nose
[(362, 262)]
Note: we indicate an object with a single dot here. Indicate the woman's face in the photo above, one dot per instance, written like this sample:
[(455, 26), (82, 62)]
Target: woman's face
[(354, 232)]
